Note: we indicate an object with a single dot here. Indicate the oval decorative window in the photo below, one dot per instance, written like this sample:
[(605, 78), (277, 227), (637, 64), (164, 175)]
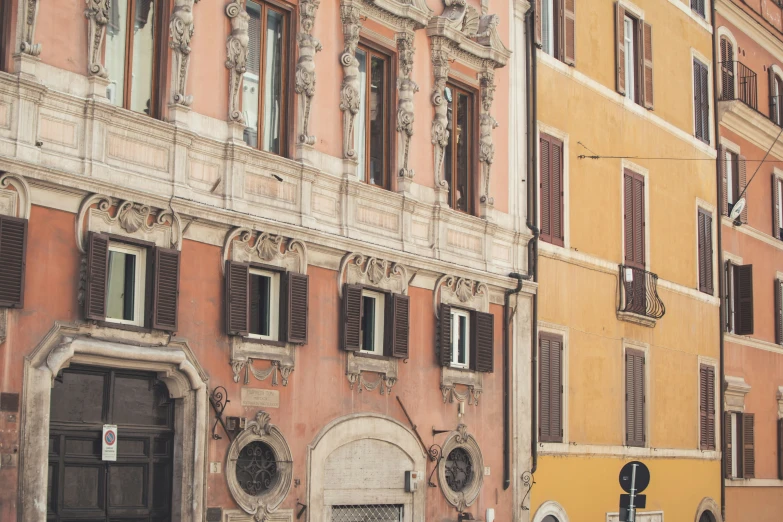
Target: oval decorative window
[(460, 471), (256, 468)]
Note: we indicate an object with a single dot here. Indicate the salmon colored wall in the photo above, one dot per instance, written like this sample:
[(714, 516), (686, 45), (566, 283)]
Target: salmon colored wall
[(208, 76), (753, 503), (62, 32)]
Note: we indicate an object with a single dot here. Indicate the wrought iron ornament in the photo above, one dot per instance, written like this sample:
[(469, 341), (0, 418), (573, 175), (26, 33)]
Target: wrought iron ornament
[(256, 468), (528, 481), (218, 399), (459, 469)]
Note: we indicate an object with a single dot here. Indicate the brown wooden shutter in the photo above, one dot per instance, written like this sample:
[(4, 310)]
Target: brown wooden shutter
[(297, 288), (723, 174), (780, 449), (711, 414), (352, 317), (743, 299), (729, 289), (743, 182), (727, 449), (556, 193), (647, 65), (546, 187), (773, 110), (97, 276), (775, 207), (707, 407), (444, 335), (237, 298), (13, 258), (550, 388), (569, 32), (397, 325), (166, 289), (634, 397), (538, 32), (727, 69), (628, 216), (482, 352), (748, 446), (634, 219), (697, 100), (619, 29), (705, 251), (778, 311)]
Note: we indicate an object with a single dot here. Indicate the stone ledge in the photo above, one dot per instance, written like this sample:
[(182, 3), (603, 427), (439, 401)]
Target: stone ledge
[(641, 320)]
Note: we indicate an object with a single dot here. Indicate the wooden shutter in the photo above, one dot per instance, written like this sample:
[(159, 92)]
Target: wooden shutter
[(647, 65), (727, 447), (444, 335), (773, 105), (482, 353), (545, 187), (296, 292), (743, 299), (569, 32), (778, 311), (550, 388), (352, 317), (727, 69), (743, 182), (166, 289), (748, 446), (13, 256), (701, 101), (634, 397), (698, 6), (729, 289), (634, 219), (723, 174), (397, 325), (705, 251), (707, 407), (619, 29), (776, 207), (551, 189), (97, 276), (237, 298), (538, 28), (780, 449)]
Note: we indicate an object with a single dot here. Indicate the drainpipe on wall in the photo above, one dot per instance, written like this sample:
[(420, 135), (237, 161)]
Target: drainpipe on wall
[(507, 376), (721, 290)]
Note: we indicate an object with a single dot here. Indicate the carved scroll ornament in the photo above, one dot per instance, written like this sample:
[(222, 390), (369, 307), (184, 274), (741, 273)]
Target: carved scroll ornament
[(264, 247), (236, 61), (486, 124), (305, 66), (440, 123), (407, 88), (349, 91), (358, 268), (181, 32), (29, 16), (97, 14), (19, 196)]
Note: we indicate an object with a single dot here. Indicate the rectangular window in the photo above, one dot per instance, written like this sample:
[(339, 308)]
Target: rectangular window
[(778, 311), (125, 285), (742, 302), (372, 122), (740, 450), (705, 251), (264, 304), (777, 207), (458, 157), (707, 407), (548, 26), (701, 101), (733, 174), (133, 57), (460, 338), (263, 87), (556, 29), (13, 253), (634, 398), (735, 438), (634, 219), (732, 171), (698, 7), (634, 56), (630, 57), (775, 93), (550, 401), (372, 322), (552, 190)]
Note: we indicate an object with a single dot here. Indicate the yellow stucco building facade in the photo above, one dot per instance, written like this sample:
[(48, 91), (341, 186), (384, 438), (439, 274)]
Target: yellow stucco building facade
[(628, 278)]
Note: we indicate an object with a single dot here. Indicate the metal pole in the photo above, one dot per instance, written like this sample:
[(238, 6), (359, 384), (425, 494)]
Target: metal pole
[(631, 508)]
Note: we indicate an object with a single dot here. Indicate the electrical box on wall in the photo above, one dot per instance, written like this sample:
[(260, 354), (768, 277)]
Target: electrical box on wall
[(411, 481)]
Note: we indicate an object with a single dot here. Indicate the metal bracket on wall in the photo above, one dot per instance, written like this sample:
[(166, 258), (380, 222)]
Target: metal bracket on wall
[(218, 399), (528, 481)]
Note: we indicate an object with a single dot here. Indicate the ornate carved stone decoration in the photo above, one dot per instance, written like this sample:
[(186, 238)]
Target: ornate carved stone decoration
[(460, 471), (236, 60), (14, 196), (407, 88), (275, 369), (386, 370), (97, 14), (486, 124), (28, 12), (305, 67), (440, 123), (244, 244), (358, 268), (349, 91), (181, 32), (259, 468)]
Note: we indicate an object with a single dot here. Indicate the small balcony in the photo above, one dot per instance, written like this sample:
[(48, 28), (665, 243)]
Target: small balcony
[(739, 82), (639, 300)]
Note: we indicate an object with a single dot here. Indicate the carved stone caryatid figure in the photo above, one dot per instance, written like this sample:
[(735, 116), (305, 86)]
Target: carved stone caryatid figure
[(440, 123), (97, 14), (406, 87), (181, 32), (349, 91), (29, 15), (236, 60), (305, 67), (486, 124)]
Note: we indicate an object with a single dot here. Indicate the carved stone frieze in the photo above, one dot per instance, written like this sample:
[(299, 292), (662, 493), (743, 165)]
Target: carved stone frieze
[(236, 60), (406, 89), (350, 15), (358, 268), (461, 292), (384, 370), (97, 14), (29, 16), (244, 244), (14, 196), (305, 67), (181, 32), (275, 370), (464, 442)]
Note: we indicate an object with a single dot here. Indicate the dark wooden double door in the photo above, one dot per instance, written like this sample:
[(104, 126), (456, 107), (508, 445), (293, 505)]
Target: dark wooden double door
[(135, 488)]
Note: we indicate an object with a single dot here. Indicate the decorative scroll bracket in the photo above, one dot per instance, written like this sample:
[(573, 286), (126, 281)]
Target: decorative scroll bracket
[(181, 32), (29, 15), (305, 67), (97, 14), (236, 60), (405, 111), (350, 15)]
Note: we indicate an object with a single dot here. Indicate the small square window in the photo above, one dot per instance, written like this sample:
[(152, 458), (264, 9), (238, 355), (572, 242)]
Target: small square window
[(264, 304), (126, 284), (373, 309), (460, 338)]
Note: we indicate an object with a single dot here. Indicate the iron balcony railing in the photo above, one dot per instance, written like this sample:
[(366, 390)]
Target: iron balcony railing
[(739, 82), (639, 292)]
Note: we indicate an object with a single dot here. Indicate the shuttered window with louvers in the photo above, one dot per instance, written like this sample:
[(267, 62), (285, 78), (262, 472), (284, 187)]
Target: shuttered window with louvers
[(777, 208), (352, 317), (727, 446), (97, 277), (701, 101), (619, 31), (444, 335), (778, 311), (237, 298), (707, 407), (780, 449), (296, 310), (647, 65), (743, 299), (704, 225), (165, 289), (552, 190), (397, 326), (698, 7), (634, 398), (742, 178), (254, 39), (483, 342), (727, 69), (13, 255), (748, 446), (569, 32), (634, 223), (550, 388)]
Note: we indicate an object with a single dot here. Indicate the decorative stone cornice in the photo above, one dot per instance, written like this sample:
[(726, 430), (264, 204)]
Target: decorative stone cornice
[(181, 32), (244, 244), (357, 268), (97, 14), (406, 89), (305, 67), (735, 389), (461, 292), (18, 196), (28, 13), (236, 60)]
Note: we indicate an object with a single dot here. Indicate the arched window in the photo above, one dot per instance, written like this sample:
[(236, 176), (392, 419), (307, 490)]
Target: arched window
[(552, 518), (775, 96), (706, 517), (727, 68)]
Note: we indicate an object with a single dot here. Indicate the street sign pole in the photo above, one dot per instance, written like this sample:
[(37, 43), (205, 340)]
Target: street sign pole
[(631, 508)]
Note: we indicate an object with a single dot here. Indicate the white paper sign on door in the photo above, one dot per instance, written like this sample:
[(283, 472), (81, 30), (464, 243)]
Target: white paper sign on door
[(109, 442)]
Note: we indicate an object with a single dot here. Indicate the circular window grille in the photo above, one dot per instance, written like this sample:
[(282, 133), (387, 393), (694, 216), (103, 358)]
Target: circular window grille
[(459, 469), (257, 468)]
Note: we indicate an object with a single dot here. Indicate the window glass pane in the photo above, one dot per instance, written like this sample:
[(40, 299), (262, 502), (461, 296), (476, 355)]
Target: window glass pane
[(120, 303), (462, 357), (260, 304), (140, 401), (368, 323), (547, 32), (377, 120), (629, 59), (361, 118), (780, 207), (77, 397), (730, 175), (250, 86), (143, 56), (273, 81), (462, 137), (116, 34)]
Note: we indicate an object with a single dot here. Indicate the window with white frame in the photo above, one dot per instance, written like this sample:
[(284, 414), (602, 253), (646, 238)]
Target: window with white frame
[(777, 230), (373, 304), (460, 338), (264, 304), (548, 26), (630, 57), (126, 284)]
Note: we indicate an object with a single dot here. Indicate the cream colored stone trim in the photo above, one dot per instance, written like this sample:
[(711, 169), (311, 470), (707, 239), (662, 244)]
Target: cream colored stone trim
[(550, 507), (598, 450), (779, 397), (704, 23), (734, 393), (750, 342), (708, 505), (234, 515), (753, 483)]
